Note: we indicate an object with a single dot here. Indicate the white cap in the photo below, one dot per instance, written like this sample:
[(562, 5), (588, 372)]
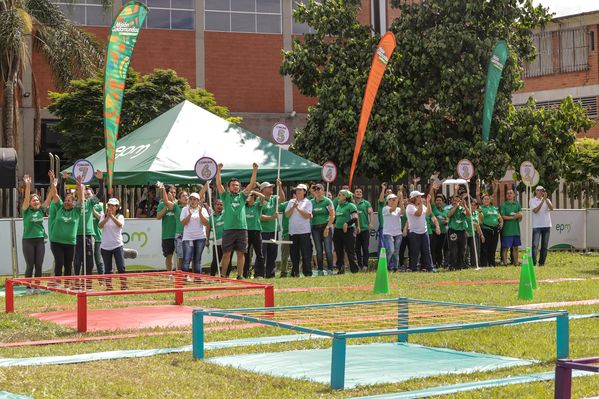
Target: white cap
[(195, 195), (391, 196), (415, 194), (265, 185), (301, 187), (113, 201), (540, 188)]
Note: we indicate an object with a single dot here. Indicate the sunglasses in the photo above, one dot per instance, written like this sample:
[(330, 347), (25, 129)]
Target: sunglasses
[(316, 189)]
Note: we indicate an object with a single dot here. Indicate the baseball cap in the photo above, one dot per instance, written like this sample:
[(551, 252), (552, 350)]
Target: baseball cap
[(540, 188), (194, 195), (301, 187), (391, 196), (265, 185), (113, 201), (415, 194)]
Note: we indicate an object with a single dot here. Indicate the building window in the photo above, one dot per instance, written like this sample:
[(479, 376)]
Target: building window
[(588, 103), (543, 62), (251, 16), (169, 14), (298, 28), (574, 50), (86, 12)]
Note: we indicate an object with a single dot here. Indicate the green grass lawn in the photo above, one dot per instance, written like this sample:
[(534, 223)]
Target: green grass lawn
[(179, 376)]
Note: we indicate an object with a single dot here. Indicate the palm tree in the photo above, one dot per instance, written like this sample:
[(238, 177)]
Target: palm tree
[(70, 52)]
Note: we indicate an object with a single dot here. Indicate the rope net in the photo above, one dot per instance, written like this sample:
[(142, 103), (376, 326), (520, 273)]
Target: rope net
[(135, 283), (381, 315)]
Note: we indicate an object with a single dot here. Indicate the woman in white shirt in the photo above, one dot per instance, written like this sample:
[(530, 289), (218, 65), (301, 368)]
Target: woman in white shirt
[(416, 212), (194, 218), (392, 229), (112, 223), (299, 212), (541, 224)]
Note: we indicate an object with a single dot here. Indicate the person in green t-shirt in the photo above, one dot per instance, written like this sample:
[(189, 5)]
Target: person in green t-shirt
[(64, 219), (34, 247), (323, 216), (511, 213), (98, 211), (491, 226), (176, 207), (473, 223), (365, 224), (456, 232), (167, 215), (215, 232), (344, 239), (253, 211), (235, 236), (439, 243), (270, 225)]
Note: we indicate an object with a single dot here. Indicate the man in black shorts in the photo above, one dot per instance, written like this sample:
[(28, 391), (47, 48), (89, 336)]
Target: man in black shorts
[(235, 235)]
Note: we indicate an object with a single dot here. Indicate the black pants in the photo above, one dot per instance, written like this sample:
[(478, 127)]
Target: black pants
[(33, 252), (214, 265), (255, 243), (301, 245), (362, 242), (405, 244), (345, 243), (89, 254), (269, 250), (474, 240), (489, 247), (437, 244), (457, 248), (63, 258)]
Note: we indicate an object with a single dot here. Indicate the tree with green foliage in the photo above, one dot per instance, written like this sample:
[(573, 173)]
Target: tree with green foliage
[(71, 53), (428, 111), (582, 164), (146, 97)]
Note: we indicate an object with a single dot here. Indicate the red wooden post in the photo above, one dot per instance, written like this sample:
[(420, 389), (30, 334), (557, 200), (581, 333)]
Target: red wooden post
[(82, 312), (178, 297), (179, 284), (9, 297), (269, 296)]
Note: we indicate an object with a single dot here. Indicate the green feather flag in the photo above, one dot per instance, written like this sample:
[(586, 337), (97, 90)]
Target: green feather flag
[(496, 65)]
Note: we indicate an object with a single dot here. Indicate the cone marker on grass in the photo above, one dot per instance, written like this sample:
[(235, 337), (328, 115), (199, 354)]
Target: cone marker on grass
[(381, 282), (531, 266), (525, 290)]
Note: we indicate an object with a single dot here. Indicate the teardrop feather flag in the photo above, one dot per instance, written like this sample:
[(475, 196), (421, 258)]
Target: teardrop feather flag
[(496, 65), (123, 36), (379, 64)]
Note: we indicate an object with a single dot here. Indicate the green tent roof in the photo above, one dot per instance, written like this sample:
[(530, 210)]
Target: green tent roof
[(167, 148)]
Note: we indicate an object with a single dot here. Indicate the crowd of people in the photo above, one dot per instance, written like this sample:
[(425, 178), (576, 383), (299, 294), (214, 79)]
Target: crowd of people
[(418, 231)]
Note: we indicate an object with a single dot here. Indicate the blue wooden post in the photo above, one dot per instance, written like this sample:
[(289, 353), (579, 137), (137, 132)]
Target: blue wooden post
[(563, 336), (197, 334), (338, 362), (402, 318)]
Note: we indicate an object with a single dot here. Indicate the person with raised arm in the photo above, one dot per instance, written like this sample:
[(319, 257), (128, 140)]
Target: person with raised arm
[(365, 218), (86, 228), (299, 212), (323, 216), (491, 226), (270, 225), (112, 224), (382, 202), (541, 224), (344, 238), (456, 233), (166, 215), (420, 247), (253, 212), (392, 229), (194, 218), (235, 236)]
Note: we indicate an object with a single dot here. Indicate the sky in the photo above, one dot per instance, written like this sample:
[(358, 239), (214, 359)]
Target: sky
[(569, 7)]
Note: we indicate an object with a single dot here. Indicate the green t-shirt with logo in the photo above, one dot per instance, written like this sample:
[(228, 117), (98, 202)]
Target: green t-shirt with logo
[(219, 220), (441, 215), (285, 219), (97, 230), (343, 213), (269, 209), (380, 214), (169, 223), (363, 207), (178, 225), (510, 227), (320, 211), (89, 216), (473, 220), (234, 210), (66, 223), (33, 223), (490, 216), (430, 226), (458, 221), (252, 216)]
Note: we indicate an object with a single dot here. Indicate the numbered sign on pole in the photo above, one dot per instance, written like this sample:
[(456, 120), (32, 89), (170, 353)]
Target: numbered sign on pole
[(85, 169), (465, 169), (535, 179), (527, 173), (329, 172), (281, 134), (206, 168)]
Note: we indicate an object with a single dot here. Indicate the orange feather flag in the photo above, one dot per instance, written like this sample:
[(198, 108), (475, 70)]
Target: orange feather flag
[(379, 64)]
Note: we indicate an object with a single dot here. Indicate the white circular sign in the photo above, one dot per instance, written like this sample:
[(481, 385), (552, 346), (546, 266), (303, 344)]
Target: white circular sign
[(281, 134), (535, 178), (85, 169), (329, 171), (465, 169), (206, 168), (527, 172)]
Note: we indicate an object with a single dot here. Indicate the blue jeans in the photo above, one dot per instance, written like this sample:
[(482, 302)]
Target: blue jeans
[(542, 234), (320, 241), (392, 244), (193, 248), (119, 259)]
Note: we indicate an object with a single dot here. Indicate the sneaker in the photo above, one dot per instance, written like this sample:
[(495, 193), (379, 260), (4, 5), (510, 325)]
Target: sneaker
[(432, 270), (341, 271), (321, 273), (330, 272), (239, 277), (189, 279)]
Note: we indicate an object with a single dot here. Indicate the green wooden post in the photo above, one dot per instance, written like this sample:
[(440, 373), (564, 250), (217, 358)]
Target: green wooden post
[(197, 334), (563, 336), (338, 362)]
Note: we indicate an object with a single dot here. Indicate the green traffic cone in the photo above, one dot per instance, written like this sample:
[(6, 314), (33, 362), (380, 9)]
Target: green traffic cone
[(525, 290), (381, 282), (531, 266)]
